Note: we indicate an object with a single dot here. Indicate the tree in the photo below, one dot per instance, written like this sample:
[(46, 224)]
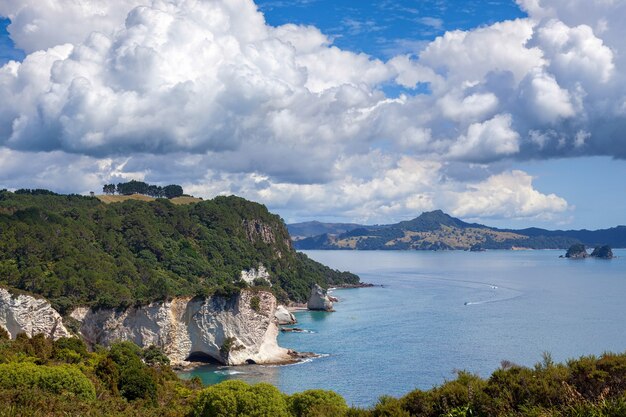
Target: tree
[(132, 187), (172, 191), (108, 189), (155, 191)]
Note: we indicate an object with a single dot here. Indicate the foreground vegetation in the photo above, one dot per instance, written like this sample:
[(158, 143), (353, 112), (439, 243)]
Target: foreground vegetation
[(39, 378), (76, 250)]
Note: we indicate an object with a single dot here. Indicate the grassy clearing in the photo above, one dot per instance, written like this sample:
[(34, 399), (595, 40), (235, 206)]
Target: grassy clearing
[(108, 199)]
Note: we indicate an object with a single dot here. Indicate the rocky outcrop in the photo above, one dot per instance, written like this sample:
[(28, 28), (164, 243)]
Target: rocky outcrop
[(577, 251), (234, 331), (602, 252), (256, 229), (284, 316), (256, 273), (318, 300), (30, 315)]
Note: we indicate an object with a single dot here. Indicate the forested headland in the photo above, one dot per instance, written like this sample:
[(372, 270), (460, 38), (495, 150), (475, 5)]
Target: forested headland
[(75, 250)]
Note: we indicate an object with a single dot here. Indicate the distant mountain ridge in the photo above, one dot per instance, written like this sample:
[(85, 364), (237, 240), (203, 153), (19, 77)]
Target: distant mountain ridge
[(437, 230), (303, 230)]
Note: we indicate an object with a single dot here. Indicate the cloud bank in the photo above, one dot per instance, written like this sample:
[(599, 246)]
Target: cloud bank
[(208, 94)]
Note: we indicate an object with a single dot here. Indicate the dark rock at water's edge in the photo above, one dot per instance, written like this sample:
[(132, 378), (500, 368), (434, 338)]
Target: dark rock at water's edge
[(577, 251), (477, 248), (602, 252), (291, 330)]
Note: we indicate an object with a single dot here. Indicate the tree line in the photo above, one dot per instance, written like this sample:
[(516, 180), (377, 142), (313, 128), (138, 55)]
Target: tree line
[(140, 187)]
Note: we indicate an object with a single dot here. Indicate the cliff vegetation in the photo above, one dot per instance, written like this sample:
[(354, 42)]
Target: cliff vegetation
[(78, 251)]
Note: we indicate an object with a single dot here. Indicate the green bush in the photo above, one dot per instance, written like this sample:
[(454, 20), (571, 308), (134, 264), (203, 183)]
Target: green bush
[(317, 403), (255, 303), (238, 399), (153, 355), (389, 407), (62, 379), (137, 382)]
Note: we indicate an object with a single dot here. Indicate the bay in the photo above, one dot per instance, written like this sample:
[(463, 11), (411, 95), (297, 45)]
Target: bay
[(438, 312)]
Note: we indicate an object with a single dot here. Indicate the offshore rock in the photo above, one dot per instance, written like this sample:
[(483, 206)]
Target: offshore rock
[(30, 315), (577, 251), (233, 330), (284, 316), (602, 252), (318, 300)]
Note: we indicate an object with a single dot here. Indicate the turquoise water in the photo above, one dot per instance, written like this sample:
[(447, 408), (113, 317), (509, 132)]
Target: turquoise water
[(438, 312)]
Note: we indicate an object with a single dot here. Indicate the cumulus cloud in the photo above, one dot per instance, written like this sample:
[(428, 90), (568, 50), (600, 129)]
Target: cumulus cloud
[(508, 195), (208, 91)]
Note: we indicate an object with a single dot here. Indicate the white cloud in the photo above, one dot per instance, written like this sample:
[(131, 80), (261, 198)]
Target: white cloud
[(508, 195), (487, 141), (211, 89)]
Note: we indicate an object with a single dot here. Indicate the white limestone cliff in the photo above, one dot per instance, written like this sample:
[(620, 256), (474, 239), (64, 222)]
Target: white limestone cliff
[(30, 315), (230, 330), (234, 331), (318, 300), (256, 273)]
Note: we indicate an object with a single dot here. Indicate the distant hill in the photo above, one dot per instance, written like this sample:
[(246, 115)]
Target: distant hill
[(300, 231), (437, 230)]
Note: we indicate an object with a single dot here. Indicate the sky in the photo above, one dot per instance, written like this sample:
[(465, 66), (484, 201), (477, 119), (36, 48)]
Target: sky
[(509, 113)]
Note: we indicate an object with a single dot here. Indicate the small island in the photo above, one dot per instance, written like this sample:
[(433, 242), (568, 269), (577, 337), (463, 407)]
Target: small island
[(602, 252), (579, 251)]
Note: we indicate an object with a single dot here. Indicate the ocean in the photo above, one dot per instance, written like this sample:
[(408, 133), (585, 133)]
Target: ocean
[(435, 313)]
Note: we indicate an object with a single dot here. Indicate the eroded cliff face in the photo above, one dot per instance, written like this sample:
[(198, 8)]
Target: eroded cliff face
[(30, 315), (234, 331)]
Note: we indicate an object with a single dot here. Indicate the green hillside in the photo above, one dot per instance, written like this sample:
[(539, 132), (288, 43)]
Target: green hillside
[(437, 230), (77, 250)]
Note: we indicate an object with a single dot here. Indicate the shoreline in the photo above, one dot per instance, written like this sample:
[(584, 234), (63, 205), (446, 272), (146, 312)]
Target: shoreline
[(295, 357)]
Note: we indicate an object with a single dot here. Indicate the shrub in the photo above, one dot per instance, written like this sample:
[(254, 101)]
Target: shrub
[(137, 382), (389, 407), (236, 398), (155, 356), (62, 379), (69, 349), (255, 303), (317, 403), (227, 346)]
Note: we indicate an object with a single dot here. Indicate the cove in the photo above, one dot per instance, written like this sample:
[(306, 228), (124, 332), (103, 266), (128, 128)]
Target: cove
[(438, 312)]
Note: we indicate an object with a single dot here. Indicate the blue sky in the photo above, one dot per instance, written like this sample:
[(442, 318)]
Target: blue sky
[(387, 28), (7, 49), (483, 148)]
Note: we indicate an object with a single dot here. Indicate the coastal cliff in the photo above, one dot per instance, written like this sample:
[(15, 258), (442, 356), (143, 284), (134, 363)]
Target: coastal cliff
[(30, 315), (220, 265), (235, 330)]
